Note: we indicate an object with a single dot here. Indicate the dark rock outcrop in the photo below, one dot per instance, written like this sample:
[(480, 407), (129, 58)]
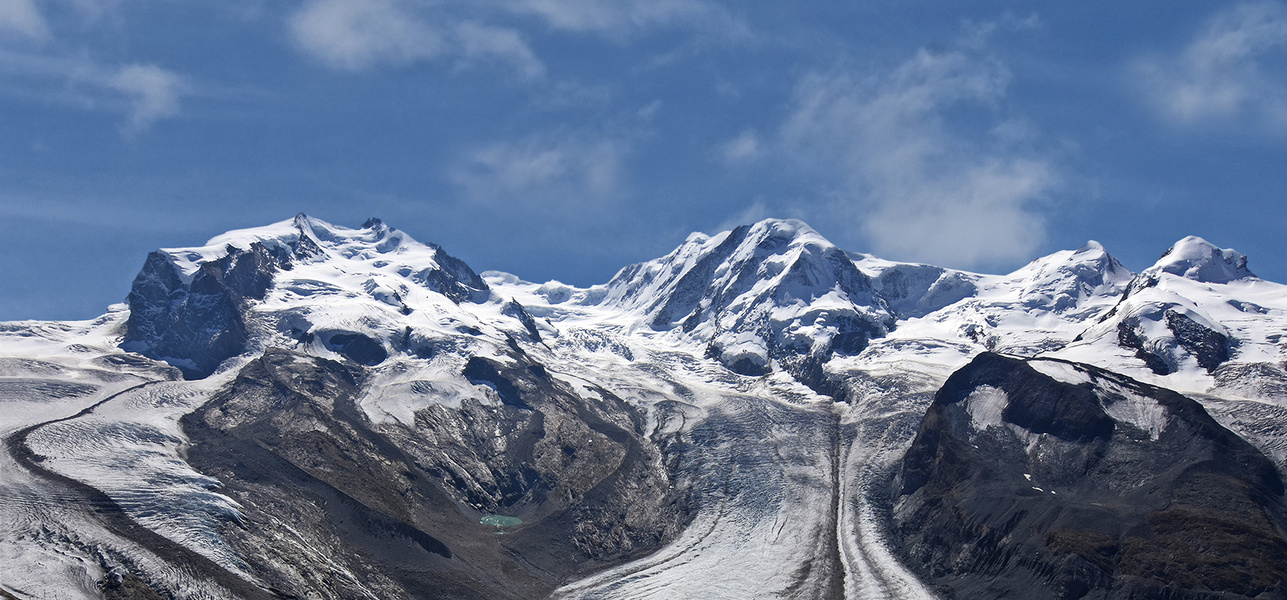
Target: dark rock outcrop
[(1020, 485), (516, 310), (1188, 337), (196, 323)]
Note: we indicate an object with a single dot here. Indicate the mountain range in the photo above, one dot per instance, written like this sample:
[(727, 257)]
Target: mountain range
[(305, 410)]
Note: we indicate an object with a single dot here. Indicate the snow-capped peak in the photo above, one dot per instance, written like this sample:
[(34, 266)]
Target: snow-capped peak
[(303, 279), (1064, 279), (1197, 259), (754, 292)]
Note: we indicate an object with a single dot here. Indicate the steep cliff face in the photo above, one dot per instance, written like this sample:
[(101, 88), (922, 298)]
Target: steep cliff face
[(1048, 479), (195, 321)]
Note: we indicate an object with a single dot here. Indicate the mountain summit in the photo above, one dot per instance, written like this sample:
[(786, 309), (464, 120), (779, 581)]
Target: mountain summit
[(775, 290), (1197, 259)]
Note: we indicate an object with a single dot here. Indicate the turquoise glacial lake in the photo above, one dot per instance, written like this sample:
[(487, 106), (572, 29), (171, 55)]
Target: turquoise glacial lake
[(501, 521)]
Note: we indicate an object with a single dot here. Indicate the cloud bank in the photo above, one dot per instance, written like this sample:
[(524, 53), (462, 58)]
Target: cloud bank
[(916, 188)]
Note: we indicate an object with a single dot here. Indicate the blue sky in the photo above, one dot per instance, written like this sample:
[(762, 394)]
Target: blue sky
[(564, 139)]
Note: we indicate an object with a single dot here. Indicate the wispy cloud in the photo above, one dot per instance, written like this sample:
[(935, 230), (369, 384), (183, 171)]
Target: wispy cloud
[(145, 93), (977, 34), (153, 94), (353, 34), (1220, 77), (358, 34), (561, 173), (915, 186), (755, 212), (484, 43), (624, 19), (22, 18)]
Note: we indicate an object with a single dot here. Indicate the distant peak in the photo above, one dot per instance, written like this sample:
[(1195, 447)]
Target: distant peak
[(306, 224), (784, 227), (1091, 246), (374, 223), (1197, 259)]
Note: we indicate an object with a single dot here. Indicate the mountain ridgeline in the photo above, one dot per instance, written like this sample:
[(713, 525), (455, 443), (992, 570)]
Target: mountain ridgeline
[(307, 410)]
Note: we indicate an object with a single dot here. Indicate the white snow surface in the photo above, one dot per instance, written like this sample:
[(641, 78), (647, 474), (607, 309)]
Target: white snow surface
[(985, 405), (1248, 310), (1126, 406), (1197, 259), (1061, 371)]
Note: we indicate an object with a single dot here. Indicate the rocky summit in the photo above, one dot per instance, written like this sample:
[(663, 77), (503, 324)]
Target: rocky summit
[(305, 410)]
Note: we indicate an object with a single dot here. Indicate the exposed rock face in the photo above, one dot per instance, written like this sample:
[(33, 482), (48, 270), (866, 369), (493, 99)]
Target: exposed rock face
[(1184, 336), (195, 322), (1046, 479), (395, 510)]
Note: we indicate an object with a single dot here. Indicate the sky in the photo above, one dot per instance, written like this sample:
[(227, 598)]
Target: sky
[(565, 139)]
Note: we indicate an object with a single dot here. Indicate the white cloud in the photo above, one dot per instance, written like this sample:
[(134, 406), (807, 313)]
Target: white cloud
[(917, 189), (145, 93), (358, 34), (977, 34), (622, 19), (353, 34), (484, 42), (22, 18), (1220, 75), (562, 173), (153, 93)]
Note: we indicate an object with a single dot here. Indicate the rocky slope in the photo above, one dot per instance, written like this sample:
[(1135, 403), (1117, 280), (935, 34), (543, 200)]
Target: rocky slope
[(1047, 479)]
